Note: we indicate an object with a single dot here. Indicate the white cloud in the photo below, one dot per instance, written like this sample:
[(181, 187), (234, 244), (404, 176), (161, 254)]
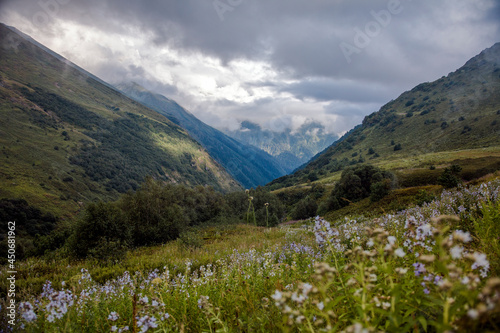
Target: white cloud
[(275, 63)]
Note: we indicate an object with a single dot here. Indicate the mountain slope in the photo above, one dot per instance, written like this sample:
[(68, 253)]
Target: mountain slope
[(67, 138), (291, 149), (457, 112), (247, 164)]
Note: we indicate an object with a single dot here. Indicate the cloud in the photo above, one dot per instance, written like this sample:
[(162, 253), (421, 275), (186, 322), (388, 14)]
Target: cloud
[(277, 63)]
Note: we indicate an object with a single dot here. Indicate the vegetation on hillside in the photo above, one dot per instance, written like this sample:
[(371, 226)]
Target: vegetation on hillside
[(456, 112), (68, 139), (427, 268), (249, 165)]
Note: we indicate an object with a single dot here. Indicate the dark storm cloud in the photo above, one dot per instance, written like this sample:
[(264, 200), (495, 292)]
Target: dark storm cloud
[(392, 44), (322, 89)]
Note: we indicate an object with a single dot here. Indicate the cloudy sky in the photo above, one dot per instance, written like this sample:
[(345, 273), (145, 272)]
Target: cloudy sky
[(279, 63)]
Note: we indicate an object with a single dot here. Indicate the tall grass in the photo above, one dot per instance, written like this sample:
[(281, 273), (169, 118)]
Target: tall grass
[(427, 268)]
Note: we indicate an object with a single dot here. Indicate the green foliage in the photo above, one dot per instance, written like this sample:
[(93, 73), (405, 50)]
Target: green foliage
[(305, 209), (487, 231), (158, 213), (103, 232), (31, 224), (358, 183), (450, 176), (423, 197), (380, 189), (191, 239)]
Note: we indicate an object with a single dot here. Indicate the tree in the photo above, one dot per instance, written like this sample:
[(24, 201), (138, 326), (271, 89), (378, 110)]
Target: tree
[(450, 176), (358, 183), (305, 208), (102, 232)]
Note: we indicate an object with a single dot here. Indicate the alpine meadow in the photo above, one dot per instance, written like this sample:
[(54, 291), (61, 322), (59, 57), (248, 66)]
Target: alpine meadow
[(219, 167)]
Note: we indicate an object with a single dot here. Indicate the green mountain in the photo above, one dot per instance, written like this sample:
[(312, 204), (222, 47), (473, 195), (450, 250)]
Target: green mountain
[(66, 138), (453, 119), (291, 148), (247, 164)]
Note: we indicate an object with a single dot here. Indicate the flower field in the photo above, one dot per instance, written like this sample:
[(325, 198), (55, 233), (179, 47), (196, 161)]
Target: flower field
[(428, 268)]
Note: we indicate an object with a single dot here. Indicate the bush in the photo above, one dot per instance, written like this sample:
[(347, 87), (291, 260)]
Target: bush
[(305, 209), (356, 184), (449, 178), (380, 190), (101, 230)]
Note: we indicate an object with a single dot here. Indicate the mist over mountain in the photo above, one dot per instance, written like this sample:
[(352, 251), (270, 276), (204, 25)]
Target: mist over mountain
[(68, 139), (246, 163), (290, 148)]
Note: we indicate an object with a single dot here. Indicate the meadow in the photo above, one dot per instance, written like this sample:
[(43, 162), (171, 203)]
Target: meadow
[(429, 268)]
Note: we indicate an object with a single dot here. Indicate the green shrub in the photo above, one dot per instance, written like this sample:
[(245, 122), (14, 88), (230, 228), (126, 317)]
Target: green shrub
[(102, 228), (356, 184), (379, 190), (450, 177), (306, 208)]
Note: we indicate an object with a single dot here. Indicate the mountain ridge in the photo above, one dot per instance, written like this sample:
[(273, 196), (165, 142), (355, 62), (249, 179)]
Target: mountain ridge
[(291, 148), (456, 112), (249, 165), (69, 139)]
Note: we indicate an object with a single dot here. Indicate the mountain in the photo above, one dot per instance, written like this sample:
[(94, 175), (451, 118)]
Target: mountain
[(247, 164), (291, 148), (427, 125), (67, 138)]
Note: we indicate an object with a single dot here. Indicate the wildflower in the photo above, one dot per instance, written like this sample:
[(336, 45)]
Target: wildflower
[(370, 242), (277, 295), (26, 310), (321, 306), (113, 316), (419, 268), (372, 278), (114, 328), (202, 301), (399, 252), (480, 261), (465, 280), (462, 236), (306, 288), (426, 229), (146, 322), (154, 303), (401, 271), (456, 252), (165, 316), (144, 299), (473, 314), (386, 305), (391, 240)]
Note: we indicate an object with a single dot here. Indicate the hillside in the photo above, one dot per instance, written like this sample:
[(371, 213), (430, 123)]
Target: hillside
[(291, 148), (67, 138), (423, 127), (247, 164)]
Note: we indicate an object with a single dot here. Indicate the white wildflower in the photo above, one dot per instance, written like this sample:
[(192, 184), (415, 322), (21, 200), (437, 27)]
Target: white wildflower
[(399, 252), (456, 252)]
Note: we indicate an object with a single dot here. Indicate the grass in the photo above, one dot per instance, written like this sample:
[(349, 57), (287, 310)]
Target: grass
[(397, 272)]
